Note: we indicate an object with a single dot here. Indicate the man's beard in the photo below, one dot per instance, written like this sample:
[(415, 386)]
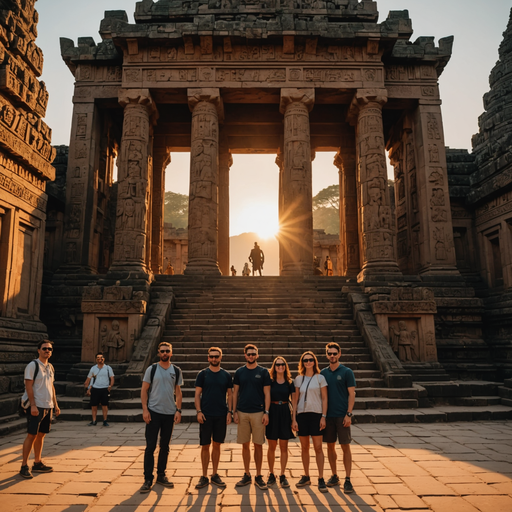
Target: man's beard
[(215, 363), (164, 357)]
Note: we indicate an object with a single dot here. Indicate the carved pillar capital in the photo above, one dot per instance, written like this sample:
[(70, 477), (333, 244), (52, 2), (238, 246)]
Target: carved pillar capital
[(290, 96), (364, 98), (138, 97), (209, 95)]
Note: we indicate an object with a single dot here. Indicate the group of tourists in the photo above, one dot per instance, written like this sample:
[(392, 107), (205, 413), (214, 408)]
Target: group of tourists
[(264, 404)]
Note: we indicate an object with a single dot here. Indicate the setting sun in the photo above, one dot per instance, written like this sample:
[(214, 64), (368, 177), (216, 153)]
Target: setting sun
[(261, 218)]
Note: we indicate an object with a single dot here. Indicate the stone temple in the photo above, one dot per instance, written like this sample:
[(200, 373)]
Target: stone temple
[(421, 302)]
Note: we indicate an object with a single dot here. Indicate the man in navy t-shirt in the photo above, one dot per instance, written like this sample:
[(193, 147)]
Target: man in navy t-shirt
[(341, 391), (251, 402), (213, 385)]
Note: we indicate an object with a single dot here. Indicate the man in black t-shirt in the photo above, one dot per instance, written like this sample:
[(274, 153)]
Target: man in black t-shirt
[(251, 401), (213, 384)]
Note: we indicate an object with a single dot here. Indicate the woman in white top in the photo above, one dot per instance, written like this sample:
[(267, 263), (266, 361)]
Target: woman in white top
[(309, 411)]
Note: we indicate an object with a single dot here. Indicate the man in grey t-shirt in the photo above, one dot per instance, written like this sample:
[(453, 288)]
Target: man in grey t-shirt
[(161, 382)]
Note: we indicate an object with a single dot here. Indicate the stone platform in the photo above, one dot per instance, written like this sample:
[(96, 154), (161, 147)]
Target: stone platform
[(456, 467)]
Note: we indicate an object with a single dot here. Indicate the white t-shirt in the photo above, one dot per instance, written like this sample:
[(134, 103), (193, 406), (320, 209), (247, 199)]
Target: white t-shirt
[(42, 385), (313, 386), (103, 375)]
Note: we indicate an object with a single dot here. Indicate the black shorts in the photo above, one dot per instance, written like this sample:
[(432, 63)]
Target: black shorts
[(334, 429), (41, 423), (309, 424), (99, 396), (214, 427)]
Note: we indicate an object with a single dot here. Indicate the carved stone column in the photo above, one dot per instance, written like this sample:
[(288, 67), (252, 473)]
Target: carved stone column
[(133, 195), (296, 231), (377, 244), (225, 163), (348, 254), (435, 235), (206, 107), (280, 164), (161, 159)]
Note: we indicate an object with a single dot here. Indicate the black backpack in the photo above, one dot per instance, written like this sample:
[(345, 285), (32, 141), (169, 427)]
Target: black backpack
[(177, 372), (24, 405)]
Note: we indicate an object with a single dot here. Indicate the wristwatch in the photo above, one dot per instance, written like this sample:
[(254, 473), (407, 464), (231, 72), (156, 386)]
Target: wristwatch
[(324, 416), (266, 412), (178, 410), (198, 412), (349, 414)]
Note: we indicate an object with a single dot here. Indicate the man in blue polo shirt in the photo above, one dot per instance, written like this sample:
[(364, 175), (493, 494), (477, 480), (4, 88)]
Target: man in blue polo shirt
[(341, 390)]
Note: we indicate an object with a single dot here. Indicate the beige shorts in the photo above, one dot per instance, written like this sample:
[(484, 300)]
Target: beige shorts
[(250, 423)]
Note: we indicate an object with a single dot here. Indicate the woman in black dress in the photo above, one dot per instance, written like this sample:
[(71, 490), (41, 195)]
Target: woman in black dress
[(280, 420)]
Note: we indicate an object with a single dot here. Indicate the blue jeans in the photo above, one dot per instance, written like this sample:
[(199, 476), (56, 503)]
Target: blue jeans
[(163, 423)]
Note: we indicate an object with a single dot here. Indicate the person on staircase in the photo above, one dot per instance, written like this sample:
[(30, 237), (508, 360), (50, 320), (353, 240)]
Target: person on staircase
[(279, 426), (257, 258), (98, 384), (213, 401), (251, 403), (309, 413), (341, 391), (161, 410)]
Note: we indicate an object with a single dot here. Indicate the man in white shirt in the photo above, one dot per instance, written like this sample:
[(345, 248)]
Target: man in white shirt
[(39, 390), (98, 385)]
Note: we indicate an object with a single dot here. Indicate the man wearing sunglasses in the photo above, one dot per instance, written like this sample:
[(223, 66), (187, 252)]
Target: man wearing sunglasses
[(40, 391), (160, 411), (251, 402), (98, 384), (341, 389), (213, 386)]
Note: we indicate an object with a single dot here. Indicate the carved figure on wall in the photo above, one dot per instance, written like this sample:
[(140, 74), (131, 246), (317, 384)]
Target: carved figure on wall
[(112, 341), (404, 342), (8, 115), (437, 198), (440, 251), (432, 127)]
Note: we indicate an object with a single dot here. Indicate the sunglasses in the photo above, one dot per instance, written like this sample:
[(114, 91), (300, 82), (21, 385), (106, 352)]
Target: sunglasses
[(49, 349), (309, 360), (252, 354), (213, 357), (165, 351), (332, 353), (280, 364)]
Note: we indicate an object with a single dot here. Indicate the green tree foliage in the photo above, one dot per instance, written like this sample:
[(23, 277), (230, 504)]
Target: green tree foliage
[(176, 209), (326, 210)]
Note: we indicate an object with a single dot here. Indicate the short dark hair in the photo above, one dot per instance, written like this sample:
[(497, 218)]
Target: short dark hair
[(99, 354), (42, 342), (250, 346), (215, 349), (332, 345)]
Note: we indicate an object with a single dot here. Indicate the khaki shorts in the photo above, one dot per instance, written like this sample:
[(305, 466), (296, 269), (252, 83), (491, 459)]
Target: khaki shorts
[(250, 423)]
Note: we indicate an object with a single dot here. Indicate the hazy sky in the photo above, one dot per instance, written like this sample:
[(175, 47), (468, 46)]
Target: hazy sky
[(476, 25)]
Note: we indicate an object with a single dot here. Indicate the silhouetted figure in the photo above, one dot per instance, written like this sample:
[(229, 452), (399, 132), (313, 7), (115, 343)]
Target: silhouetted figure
[(257, 258), (328, 266), (233, 270)]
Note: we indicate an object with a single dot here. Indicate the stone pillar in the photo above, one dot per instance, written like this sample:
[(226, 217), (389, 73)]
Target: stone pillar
[(161, 159), (81, 211), (225, 163), (133, 194), (377, 243), (206, 106), (435, 236), (280, 164), (296, 231), (348, 254)]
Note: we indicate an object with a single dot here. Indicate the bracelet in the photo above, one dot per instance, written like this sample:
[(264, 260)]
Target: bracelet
[(199, 412), (230, 412), (324, 416)]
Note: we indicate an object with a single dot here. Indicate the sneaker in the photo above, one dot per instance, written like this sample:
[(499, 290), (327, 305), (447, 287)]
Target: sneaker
[(92, 424), (163, 480), (146, 487), (259, 482), (271, 479), (321, 485), (40, 467), (216, 480), (283, 481), (25, 472), (347, 486), (105, 424), (333, 481), (305, 480), (246, 480), (203, 482)]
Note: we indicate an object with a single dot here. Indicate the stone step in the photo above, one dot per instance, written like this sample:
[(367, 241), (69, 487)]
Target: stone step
[(254, 322), (12, 423), (238, 342), (505, 392)]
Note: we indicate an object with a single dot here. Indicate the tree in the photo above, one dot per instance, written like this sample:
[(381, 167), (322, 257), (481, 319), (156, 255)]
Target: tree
[(326, 210), (176, 209)]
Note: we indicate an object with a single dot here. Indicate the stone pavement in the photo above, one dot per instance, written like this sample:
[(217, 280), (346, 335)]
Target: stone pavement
[(443, 467)]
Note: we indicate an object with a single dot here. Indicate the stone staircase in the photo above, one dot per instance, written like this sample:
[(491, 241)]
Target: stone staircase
[(286, 316)]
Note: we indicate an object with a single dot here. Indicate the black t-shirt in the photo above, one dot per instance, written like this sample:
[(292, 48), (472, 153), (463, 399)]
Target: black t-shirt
[(281, 392), (214, 388), (251, 397)]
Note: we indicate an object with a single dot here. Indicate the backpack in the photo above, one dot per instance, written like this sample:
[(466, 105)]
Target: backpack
[(24, 405), (177, 372)]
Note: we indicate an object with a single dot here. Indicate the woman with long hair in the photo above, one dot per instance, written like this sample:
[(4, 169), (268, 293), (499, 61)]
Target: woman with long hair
[(279, 426), (309, 412)]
